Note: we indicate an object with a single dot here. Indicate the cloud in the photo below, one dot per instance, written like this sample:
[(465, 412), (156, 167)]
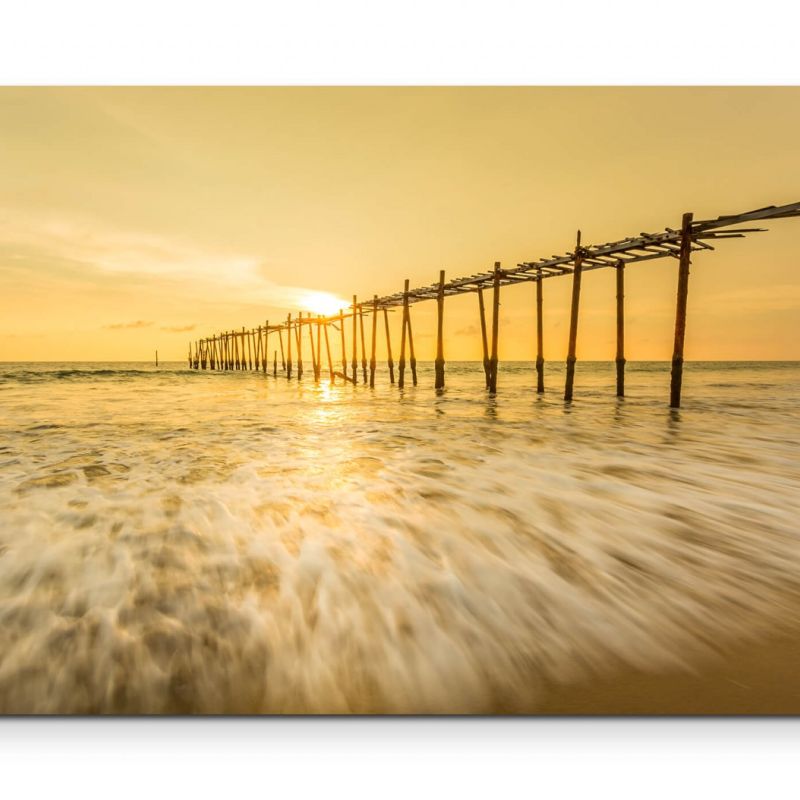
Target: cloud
[(118, 326), (178, 328)]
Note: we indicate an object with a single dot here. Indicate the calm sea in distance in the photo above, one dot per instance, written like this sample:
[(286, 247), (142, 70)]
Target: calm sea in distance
[(178, 541)]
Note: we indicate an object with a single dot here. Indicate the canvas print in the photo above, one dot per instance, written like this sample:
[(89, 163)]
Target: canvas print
[(399, 400)]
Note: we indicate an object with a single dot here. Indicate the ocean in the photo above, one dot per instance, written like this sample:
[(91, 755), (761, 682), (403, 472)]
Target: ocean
[(181, 541)]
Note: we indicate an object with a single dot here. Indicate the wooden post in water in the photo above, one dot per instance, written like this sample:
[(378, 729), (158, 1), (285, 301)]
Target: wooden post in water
[(328, 351), (412, 361), (495, 328), (213, 363), (389, 361), (439, 363), (486, 368), (156, 357), (344, 345), (676, 378), (275, 365), (620, 360), (190, 355), (289, 347), (363, 345), (573, 320), (246, 335), (235, 340), (265, 351), (401, 367), (539, 338), (374, 339), (313, 351), (319, 348), (203, 354), (298, 331), (355, 341), (280, 342), (257, 339)]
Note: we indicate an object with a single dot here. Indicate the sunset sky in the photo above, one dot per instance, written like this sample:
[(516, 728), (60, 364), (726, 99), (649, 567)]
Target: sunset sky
[(137, 219)]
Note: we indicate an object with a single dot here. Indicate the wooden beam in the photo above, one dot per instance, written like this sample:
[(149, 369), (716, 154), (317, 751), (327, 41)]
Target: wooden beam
[(676, 378), (573, 319), (439, 363), (328, 351), (289, 347), (298, 330), (344, 347), (355, 341), (313, 353), (363, 345)]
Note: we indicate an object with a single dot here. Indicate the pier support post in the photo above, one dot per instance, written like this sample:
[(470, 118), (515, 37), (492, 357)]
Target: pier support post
[(355, 341), (374, 340), (573, 320), (298, 331), (328, 351), (495, 329), (275, 365), (484, 341), (344, 344), (313, 350), (257, 347), (439, 363), (676, 378), (539, 338), (246, 335), (289, 347), (280, 342), (620, 359), (389, 361), (412, 361), (401, 367), (265, 351), (363, 345)]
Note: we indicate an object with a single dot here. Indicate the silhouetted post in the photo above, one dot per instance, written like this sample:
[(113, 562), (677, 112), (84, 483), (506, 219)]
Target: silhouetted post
[(389, 361), (256, 334), (539, 338), (401, 367), (275, 365), (298, 330), (372, 362), (573, 319), (412, 361), (344, 344), (190, 355), (620, 269), (246, 335), (266, 346), (439, 364), (328, 351), (355, 341), (363, 345), (486, 368), (313, 351), (289, 347), (280, 342), (495, 328), (676, 378), (319, 347)]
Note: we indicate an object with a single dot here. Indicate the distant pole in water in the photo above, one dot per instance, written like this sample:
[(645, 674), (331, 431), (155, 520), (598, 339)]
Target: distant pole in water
[(487, 371), (412, 361), (539, 338), (298, 330), (573, 319), (156, 357), (275, 366), (439, 364), (265, 350), (495, 328), (363, 344), (676, 378), (313, 351), (319, 348), (389, 361), (620, 360)]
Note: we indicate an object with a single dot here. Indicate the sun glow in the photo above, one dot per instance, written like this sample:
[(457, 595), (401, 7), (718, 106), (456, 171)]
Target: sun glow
[(322, 303)]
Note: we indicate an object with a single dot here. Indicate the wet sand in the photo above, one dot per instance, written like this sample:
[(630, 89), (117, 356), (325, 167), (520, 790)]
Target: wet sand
[(761, 678)]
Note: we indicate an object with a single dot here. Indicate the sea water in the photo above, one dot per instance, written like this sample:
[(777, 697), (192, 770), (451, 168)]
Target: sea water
[(176, 541)]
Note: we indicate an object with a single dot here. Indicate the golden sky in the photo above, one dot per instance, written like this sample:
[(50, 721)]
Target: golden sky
[(135, 219)]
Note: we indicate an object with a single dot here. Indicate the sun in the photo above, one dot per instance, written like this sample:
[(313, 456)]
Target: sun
[(322, 303)]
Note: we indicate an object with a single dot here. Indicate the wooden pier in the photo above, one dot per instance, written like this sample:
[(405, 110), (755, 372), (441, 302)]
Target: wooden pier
[(249, 348)]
